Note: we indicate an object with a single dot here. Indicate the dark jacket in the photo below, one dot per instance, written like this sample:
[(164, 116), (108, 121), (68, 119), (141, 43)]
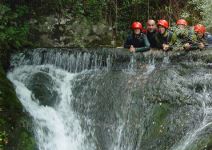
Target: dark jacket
[(151, 38), (165, 38), (140, 42), (208, 38)]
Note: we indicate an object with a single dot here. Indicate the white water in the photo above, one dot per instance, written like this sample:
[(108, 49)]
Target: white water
[(205, 99), (55, 128)]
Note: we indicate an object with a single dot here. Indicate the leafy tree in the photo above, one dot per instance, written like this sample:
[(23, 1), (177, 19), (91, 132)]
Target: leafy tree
[(13, 31)]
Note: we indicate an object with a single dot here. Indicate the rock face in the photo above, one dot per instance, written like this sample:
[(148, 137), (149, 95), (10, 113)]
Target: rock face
[(65, 31), (4, 58), (15, 132)]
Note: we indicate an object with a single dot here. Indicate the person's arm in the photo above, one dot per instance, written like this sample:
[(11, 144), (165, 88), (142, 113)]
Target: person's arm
[(146, 45), (193, 46), (194, 43)]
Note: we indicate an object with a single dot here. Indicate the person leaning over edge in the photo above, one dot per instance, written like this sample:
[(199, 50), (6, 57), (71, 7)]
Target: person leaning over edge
[(202, 40), (201, 33), (164, 36), (151, 31), (137, 41), (183, 36)]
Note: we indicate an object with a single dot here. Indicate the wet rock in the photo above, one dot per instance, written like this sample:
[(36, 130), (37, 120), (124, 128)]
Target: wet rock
[(42, 88)]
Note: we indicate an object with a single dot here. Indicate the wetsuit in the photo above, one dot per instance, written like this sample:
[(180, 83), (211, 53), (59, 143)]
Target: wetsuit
[(151, 38), (140, 42), (161, 39)]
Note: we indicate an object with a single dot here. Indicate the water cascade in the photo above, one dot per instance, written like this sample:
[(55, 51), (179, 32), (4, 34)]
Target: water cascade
[(113, 100)]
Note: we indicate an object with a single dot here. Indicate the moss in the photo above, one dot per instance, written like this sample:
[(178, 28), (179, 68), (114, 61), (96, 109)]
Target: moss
[(158, 118), (26, 141), (207, 59), (14, 123), (3, 139)]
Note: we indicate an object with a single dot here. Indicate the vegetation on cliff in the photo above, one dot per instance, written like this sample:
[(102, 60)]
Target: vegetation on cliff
[(15, 132)]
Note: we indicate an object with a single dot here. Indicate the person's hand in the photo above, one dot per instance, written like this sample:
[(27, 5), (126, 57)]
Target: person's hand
[(165, 47), (201, 45), (132, 48), (187, 46)]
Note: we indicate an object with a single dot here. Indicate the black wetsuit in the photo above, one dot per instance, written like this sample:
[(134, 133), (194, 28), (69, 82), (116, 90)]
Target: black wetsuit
[(140, 42), (151, 38)]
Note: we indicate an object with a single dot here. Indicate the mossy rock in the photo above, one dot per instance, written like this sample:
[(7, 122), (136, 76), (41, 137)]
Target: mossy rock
[(41, 85)]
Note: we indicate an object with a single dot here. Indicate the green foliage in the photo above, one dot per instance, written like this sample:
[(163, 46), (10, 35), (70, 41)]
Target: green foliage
[(117, 14), (3, 139), (13, 29)]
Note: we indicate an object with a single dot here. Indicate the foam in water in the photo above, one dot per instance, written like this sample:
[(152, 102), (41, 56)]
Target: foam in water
[(56, 128), (205, 99)]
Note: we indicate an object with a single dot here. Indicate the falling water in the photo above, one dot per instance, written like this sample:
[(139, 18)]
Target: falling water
[(56, 128), (90, 101)]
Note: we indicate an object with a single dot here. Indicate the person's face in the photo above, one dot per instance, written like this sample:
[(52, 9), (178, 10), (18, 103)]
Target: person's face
[(151, 26), (200, 35), (137, 31), (161, 29), (181, 27)]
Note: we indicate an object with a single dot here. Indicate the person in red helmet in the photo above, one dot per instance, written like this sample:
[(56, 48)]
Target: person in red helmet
[(137, 41), (182, 23), (151, 31), (204, 39), (164, 36), (183, 36)]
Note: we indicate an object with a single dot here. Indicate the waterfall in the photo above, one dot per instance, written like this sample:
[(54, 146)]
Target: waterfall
[(101, 101), (56, 128)]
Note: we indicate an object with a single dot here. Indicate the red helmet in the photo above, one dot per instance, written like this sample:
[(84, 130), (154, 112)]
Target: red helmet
[(200, 28), (182, 22), (137, 25), (163, 23)]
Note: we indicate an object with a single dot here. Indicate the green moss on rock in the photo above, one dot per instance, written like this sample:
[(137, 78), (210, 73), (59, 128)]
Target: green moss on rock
[(14, 135)]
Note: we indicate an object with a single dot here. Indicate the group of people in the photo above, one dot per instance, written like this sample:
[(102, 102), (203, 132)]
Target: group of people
[(160, 36)]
